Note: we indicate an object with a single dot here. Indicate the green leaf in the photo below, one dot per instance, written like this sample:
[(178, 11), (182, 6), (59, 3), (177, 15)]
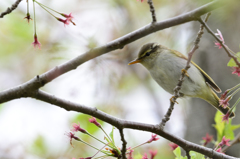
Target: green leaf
[(107, 152), (111, 135), (177, 153), (219, 126), (223, 128), (195, 155), (228, 131), (231, 62), (234, 127)]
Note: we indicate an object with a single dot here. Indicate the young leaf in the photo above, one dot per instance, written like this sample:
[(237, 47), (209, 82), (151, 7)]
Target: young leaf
[(111, 135), (177, 152), (232, 63), (219, 126), (228, 132), (195, 155)]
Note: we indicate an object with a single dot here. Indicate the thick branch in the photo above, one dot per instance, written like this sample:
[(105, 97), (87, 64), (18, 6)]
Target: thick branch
[(9, 10), (120, 124), (119, 43)]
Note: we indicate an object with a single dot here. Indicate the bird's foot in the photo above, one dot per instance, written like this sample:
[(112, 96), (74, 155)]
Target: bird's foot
[(172, 99), (185, 72)]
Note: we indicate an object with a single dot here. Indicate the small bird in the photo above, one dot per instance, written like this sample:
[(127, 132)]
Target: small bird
[(165, 67)]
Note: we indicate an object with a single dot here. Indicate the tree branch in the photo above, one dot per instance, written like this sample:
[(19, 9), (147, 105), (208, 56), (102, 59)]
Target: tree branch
[(121, 124), (188, 155), (9, 10)]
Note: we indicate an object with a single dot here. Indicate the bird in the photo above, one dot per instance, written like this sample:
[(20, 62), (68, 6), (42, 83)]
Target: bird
[(165, 67)]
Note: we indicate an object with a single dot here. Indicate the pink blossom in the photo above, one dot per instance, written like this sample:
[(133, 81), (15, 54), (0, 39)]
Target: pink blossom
[(70, 17), (145, 156), (65, 22), (173, 146), (236, 71), (130, 155), (28, 17), (94, 121), (72, 136), (224, 142), (219, 150), (219, 45), (226, 117), (141, 0), (224, 102), (207, 139), (76, 127), (153, 153), (36, 43), (153, 138), (224, 95)]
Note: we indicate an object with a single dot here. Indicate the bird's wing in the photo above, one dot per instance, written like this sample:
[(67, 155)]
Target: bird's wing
[(208, 79)]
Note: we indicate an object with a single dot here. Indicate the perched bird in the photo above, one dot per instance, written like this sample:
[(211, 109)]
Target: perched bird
[(165, 67)]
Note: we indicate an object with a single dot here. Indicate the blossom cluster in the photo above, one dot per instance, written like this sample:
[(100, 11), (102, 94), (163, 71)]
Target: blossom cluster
[(68, 19), (112, 149)]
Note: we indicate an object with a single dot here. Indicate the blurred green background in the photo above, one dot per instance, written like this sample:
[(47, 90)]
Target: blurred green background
[(34, 129)]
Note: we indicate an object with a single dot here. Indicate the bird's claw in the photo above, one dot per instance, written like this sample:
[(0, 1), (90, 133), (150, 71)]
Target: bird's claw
[(172, 99), (185, 72)]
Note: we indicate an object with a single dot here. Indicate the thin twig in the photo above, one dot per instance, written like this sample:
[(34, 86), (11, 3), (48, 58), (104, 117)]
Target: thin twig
[(152, 10), (9, 10), (177, 89), (187, 154), (124, 144), (220, 41)]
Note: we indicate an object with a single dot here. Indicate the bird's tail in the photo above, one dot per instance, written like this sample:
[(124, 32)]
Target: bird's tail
[(214, 101)]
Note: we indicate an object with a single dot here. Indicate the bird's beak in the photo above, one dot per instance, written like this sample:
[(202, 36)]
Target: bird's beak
[(134, 61)]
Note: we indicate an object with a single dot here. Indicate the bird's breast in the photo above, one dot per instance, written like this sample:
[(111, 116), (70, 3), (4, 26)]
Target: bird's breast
[(167, 70)]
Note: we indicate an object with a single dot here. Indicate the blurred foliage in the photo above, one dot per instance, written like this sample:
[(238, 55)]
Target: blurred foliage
[(39, 147)]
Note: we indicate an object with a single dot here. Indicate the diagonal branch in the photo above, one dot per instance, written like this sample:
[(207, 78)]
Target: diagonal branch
[(9, 10), (121, 124), (25, 89), (184, 72), (220, 41)]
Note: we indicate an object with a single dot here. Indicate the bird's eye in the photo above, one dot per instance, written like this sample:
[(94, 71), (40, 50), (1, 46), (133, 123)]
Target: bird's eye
[(148, 53)]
